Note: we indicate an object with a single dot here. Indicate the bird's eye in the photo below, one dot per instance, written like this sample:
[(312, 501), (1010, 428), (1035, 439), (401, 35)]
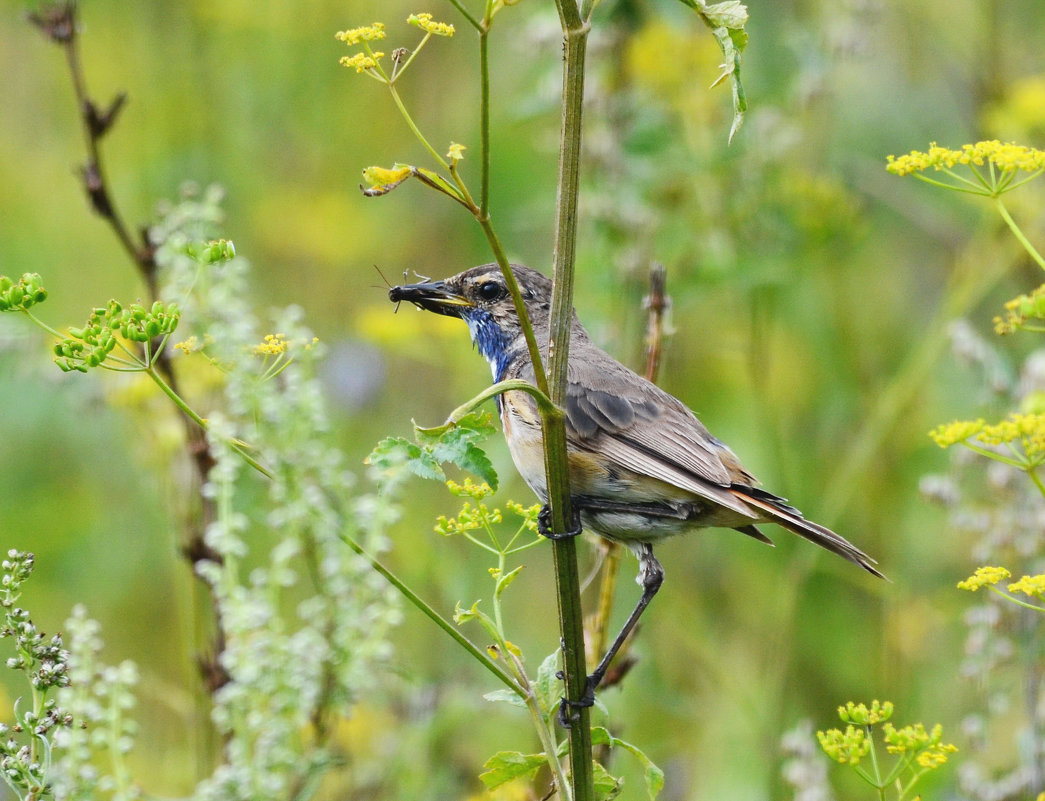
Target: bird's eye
[(491, 290)]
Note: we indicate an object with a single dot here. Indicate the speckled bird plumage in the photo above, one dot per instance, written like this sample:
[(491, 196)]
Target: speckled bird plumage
[(642, 466)]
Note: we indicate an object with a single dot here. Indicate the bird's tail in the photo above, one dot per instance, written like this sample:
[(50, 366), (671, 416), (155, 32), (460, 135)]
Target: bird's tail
[(777, 510)]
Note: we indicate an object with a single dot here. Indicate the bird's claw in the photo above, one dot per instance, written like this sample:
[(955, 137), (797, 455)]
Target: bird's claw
[(544, 525), (565, 715)]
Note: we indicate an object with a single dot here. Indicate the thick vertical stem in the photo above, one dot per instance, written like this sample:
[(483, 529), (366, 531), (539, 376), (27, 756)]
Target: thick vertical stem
[(567, 577)]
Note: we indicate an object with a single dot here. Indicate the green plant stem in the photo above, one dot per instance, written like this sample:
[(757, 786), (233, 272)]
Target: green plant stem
[(476, 652), (239, 447), (1033, 473), (484, 119), (510, 385), (414, 129), (1014, 599), (534, 351), (575, 36), (540, 724), (1004, 212)]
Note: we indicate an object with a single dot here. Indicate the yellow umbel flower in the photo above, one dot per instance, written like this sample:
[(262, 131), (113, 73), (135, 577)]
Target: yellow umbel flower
[(1027, 429), (948, 434), (983, 577), (1007, 157), (274, 345), (845, 747), (1033, 586), (862, 715), (425, 23), (367, 33), (361, 62)]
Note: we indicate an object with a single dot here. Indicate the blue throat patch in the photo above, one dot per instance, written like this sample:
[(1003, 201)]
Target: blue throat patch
[(489, 340)]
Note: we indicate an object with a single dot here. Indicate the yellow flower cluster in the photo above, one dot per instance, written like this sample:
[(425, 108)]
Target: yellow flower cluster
[(527, 513), (190, 345), (983, 577), (861, 715), (1026, 429), (425, 23), (367, 33), (845, 747), (1008, 157), (361, 62), (1029, 429), (931, 751), (1033, 586), (469, 489), (1019, 310), (274, 345), (947, 434)]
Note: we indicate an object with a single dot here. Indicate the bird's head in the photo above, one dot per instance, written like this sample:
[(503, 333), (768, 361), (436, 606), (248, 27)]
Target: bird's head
[(480, 297)]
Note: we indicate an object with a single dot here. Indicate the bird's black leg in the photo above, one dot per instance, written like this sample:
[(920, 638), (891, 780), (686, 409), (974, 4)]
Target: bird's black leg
[(651, 576), (544, 524)]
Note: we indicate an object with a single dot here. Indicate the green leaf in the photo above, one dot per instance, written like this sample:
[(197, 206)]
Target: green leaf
[(607, 786), (726, 21), (455, 443), (653, 775), (507, 765), (548, 687), (508, 696), (730, 14), (392, 454)]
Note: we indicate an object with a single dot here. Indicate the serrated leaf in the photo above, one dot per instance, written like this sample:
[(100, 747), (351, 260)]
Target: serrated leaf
[(726, 21), (389, 452), (607, 786), (507, 765), (392, 454), (454, 443), (506, 696), (469, 457)]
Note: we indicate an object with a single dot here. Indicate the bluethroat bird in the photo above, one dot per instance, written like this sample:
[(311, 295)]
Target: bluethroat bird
[(642, 467)]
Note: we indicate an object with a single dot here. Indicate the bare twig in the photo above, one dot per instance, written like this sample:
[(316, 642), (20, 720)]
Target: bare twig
[(656, 303), (59, 23)]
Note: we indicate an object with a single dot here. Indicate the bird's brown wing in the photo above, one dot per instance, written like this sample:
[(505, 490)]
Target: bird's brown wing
[(617, 413)]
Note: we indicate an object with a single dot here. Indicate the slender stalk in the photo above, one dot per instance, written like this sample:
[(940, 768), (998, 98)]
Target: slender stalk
[(479, 655), (575, 34), (1004, 212), (510, 385), (484, 120)]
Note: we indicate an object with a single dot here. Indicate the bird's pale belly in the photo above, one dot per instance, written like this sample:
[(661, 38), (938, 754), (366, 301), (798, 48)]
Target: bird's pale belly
[(614, 502)]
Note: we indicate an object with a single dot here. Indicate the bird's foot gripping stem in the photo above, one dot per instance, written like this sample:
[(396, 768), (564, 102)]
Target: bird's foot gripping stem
[(566, 715), (544, 525)]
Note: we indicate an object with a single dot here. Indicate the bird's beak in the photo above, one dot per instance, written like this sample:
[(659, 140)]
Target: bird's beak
[(433, 296)]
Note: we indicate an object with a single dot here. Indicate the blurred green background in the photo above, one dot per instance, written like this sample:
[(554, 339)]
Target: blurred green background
[(811, 294)]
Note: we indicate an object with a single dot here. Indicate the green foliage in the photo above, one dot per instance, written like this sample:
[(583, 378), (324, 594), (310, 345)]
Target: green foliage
[(454, 443), (726, 21)]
